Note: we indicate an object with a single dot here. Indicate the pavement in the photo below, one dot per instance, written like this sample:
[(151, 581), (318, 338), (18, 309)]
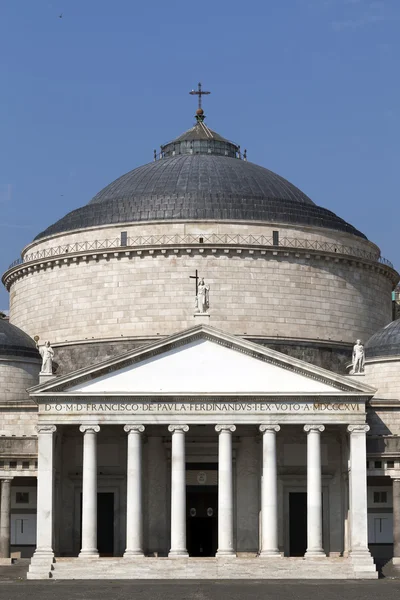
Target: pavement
[(14, 586)]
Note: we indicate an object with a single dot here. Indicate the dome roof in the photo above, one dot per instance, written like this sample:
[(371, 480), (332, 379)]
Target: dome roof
[(385, 342), (200, 187), (15, 342)]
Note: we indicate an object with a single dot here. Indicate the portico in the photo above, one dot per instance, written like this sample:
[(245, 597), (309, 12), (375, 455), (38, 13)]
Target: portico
[(289, 428)]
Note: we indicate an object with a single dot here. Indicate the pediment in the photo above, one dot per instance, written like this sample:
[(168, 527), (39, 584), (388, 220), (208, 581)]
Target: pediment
[(203, 361)]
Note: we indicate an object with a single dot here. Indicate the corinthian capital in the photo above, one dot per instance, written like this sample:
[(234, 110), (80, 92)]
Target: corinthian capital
[(358, 428)]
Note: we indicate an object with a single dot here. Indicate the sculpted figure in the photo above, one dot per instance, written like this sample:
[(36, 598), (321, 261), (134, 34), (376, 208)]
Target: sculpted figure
[(358, 357), (203, 297), (47, 354)]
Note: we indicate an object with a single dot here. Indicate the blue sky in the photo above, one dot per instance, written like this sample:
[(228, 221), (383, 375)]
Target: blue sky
[(310, 87)]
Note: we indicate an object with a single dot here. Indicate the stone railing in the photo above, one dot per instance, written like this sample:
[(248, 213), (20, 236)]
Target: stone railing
[(258, 241)]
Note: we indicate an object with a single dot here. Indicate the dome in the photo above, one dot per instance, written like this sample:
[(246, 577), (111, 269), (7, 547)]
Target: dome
[(15, 342), (385, 342), (200, 176)]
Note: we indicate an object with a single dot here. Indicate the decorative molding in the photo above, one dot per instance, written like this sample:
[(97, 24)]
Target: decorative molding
[(89, 428), (68, 256), (46, 429), (96, 399), (134, 428), (219, 428), (358, 428), (312, 427), (181, 428), (272, 428)]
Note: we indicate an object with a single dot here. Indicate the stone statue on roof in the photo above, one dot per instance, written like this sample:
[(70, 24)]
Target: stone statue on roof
[(358, 358), (47, 354)]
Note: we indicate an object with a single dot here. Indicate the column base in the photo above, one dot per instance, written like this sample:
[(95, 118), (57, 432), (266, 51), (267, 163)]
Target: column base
[(89, 553), (270, 554), (134, 554), (41, 565), (363, 564), (5, 561), (315, 554), (225, 554), (178, 553)]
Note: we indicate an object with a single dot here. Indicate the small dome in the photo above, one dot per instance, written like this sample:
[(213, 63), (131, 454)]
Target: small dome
[(15, 342), (385, 342)]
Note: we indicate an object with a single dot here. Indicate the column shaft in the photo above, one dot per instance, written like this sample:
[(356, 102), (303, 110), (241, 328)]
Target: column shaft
[(89, 492), (178, 491), (45, 491), (396, 518), (5, 518), (314, 491), (269, 493), (134, 513), (225, 491), (358, 490)]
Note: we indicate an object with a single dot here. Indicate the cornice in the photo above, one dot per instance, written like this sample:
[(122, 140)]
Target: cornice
[(242, 250)]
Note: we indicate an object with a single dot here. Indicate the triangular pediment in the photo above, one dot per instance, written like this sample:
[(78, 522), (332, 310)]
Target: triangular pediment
[(203, 361)]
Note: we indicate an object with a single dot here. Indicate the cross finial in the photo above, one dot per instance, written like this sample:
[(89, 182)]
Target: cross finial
[(199, 92)]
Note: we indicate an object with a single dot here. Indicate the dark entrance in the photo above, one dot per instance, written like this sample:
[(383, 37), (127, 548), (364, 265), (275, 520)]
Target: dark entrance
[(105, 523), (297, 523), (202, 520)]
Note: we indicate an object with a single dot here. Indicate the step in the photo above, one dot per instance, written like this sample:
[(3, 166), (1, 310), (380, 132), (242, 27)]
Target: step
[(206, 568)]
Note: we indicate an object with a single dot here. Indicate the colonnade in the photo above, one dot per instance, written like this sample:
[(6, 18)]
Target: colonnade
[(269, 491)]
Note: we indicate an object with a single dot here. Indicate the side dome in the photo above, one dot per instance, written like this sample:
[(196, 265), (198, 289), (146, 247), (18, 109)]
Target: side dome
[(15, 342), (385, 342)]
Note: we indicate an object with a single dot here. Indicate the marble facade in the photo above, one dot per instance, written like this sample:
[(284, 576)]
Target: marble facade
[(291, 428)]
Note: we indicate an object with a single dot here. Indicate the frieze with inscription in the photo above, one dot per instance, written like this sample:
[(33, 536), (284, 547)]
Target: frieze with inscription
[(198, 407)]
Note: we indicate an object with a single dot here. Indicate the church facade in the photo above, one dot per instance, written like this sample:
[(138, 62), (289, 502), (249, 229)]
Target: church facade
[(203, 408)]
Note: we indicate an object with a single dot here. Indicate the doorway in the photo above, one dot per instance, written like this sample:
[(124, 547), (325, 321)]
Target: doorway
[(202, 520), (105, 523), (297, 523)]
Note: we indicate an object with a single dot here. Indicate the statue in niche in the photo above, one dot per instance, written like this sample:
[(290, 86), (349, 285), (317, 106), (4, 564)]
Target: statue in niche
[(358, 358), (47, 354), (203, 297)]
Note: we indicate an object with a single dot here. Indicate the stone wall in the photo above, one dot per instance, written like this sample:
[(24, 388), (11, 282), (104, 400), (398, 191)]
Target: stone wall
[(251, 294), (384, 421), (385, 376), (18, 422), (16, 375)]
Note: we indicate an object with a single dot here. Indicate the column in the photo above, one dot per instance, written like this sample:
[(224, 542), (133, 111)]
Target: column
[(45, 491), (89, 492), (358, 490), (314, 491), (5, 516), (134, 511), (178, 491), (225, 491), (269, 493), (396, 521)]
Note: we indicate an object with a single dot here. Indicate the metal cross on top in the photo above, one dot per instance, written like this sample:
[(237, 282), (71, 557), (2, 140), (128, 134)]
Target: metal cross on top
[(199, 92)]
